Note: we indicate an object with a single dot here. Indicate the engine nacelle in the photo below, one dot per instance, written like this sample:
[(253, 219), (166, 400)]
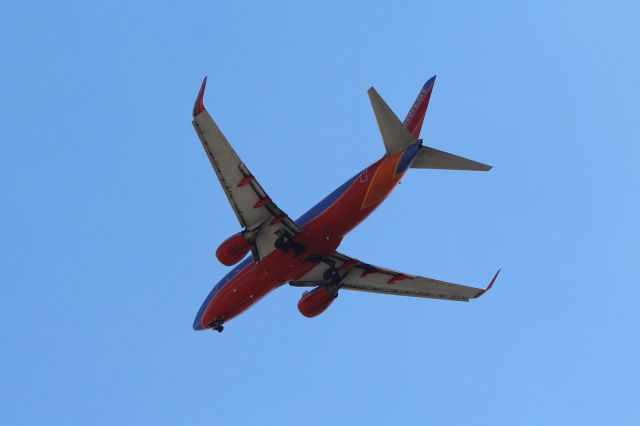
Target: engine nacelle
[(233, 249), (316, 301)]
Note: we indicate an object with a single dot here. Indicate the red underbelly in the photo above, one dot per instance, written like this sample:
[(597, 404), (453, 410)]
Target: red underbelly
[(254, 282)]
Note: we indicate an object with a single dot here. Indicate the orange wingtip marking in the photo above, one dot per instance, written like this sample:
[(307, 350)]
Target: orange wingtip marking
[(368, 271), (398, 278), (481, 292), (349, 264), (262, 202), (245, 180)]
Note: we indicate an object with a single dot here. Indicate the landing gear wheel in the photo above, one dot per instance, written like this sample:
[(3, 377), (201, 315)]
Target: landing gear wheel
[(217, 325), (279, 242), (329, 273), (286, 246)]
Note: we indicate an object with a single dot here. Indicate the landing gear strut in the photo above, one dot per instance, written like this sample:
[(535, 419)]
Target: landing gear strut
[(332, 275), (217, 325), (285, 243)]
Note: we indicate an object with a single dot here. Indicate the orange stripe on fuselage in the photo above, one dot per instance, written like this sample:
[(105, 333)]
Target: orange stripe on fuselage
[(383, 181)]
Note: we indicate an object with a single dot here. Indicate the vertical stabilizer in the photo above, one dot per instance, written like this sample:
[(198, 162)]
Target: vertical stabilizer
[(415, 117)]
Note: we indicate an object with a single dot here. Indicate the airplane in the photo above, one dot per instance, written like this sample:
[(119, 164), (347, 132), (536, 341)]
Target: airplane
[(302, 252)]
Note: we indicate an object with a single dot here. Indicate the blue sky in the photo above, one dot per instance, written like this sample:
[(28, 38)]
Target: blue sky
[(112, 213)]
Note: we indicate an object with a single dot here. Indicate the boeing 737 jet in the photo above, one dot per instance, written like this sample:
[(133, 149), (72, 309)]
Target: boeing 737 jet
[(303, 252)]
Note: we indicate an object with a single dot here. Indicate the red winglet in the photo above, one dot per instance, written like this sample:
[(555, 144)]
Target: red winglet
[(262, 202), (481, 292), (245, 180), (199, 105), (397, 278)]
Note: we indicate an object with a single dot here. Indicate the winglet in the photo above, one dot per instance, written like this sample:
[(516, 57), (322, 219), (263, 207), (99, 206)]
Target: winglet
[(481, 292), (415, 117), (199, 105)]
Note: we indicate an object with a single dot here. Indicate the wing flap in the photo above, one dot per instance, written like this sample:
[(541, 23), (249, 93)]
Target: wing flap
[(231, 172), (412, 286), (359, 276), (251, 204)]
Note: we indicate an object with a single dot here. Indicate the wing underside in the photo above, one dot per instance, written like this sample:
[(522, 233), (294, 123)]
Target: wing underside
[(359, 276), (262, 219)]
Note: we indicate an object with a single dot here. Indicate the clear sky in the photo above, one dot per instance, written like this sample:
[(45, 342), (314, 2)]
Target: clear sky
[(111, 212)]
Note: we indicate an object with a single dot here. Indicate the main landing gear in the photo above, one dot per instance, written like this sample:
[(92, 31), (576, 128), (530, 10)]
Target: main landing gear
[(332, 275), (217, 325), (285, 243)]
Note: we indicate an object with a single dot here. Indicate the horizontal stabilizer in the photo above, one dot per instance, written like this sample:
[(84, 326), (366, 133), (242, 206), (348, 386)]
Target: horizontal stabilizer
[(395, 135), (431, 158)]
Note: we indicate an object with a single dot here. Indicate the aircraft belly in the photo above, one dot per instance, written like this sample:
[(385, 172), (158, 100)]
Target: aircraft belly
[(321, 235), (253, 283)]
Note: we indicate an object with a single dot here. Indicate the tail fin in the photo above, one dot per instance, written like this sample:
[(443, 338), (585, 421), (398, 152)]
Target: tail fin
[(398, 136), (395, 135), (415, 117), (431, 158)]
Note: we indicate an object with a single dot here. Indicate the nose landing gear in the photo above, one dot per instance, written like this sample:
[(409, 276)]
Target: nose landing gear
[(217, 325)]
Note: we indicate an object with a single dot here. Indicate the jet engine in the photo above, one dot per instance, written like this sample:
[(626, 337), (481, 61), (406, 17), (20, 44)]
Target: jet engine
[(314, 302), (233, 249)]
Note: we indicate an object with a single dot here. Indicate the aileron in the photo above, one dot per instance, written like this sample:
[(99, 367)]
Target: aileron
[(361, 276)]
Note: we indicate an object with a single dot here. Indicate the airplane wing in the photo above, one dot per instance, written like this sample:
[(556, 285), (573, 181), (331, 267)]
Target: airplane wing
[(355, 275), (255, 210)]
